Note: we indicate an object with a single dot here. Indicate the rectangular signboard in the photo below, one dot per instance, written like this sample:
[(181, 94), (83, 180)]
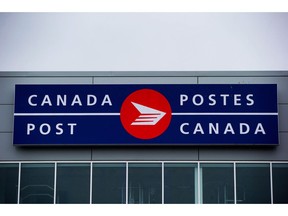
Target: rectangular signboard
[(220, 114)]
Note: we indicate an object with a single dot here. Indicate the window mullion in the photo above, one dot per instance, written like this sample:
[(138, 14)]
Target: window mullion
[(19, 183)]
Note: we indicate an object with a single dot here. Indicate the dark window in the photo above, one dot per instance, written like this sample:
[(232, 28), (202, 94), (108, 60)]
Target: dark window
[(109, 183), (280, 183), (217, 183), (179, 180), (73, 183), (8, 183), (37, 183), (145, 183), (253, 183)]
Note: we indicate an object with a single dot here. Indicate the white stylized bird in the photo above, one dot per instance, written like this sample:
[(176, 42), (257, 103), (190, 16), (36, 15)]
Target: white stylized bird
[(148, 115)]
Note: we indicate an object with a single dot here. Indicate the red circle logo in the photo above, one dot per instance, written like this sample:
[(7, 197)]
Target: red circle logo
[(145, 114)]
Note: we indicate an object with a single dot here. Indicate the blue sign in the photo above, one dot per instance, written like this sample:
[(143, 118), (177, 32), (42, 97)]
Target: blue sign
[(185, 114)]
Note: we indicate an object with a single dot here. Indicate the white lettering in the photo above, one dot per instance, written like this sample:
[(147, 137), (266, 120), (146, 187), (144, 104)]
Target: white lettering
[(45, 128), (201, 99), (30, 100), (249, 98), (183, 98), (229, 129), (61, 100), (244, 126), (46, 100), (48, 129), (91, 100), (106, 100), (212, 100), (213, 128), (76, 100), (182, 128), (237, 100), (198, 128), (224, 96), (72, 127), (30, 127), (59, 129), (259, 129)]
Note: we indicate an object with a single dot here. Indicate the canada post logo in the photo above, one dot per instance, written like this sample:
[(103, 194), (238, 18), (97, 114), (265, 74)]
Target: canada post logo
[(145, 114)]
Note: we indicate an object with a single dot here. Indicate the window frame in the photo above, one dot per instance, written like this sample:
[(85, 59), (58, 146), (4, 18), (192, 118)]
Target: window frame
[(197, 199)]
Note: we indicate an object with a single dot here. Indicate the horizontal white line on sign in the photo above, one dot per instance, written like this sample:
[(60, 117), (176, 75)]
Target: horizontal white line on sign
[(66, 114), (228, 113), (117, 114)]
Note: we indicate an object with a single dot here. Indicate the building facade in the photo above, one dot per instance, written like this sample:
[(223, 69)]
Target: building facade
[(143, 174)]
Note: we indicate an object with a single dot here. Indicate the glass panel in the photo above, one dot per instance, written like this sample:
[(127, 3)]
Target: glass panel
[(145, 180), (109, 183), (73, 183), (37, 183), (8, 183), (217, 183), (180, 182), (280, 183), (253, 183)]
